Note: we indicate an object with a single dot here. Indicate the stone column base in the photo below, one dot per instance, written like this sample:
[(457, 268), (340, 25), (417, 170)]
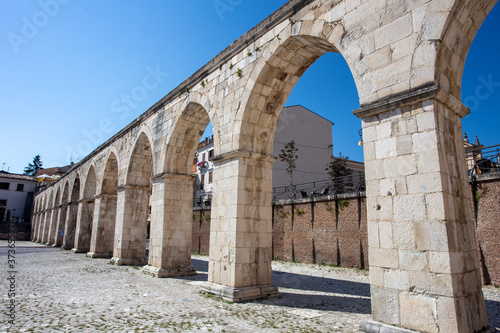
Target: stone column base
[(242, 294), (99, 254), (376, 327), (129, 261), (56, 245), (75, 250), (168, 272)]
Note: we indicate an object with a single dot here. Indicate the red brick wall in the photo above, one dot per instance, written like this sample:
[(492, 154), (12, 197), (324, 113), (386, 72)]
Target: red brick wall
[(487, 213), (315, 232), (201, 231), (322, 232)]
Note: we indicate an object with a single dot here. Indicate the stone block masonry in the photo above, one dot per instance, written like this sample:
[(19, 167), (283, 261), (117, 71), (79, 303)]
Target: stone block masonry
[(407, 61), (486, 200)]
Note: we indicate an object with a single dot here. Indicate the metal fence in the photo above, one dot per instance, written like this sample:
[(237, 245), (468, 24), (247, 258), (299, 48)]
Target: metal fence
[(484, 160), (346, 184), (203, 200), (479, 161)]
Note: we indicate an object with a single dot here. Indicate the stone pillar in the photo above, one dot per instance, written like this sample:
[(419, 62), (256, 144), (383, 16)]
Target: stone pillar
[(36, 224), (51, 239), (61, 220), (70, 225), (39, 231), (33, 227), (424, 268), (42, 226), (241, 228), (102, 241), (84, 225), (171, 226), (46, 225), (131, 225)]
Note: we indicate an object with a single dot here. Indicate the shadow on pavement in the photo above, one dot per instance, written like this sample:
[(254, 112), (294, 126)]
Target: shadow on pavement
[(493, 310), (287, 282)]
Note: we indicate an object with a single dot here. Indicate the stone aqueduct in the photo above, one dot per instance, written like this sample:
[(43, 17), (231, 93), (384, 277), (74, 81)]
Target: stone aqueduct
[(407, 59)]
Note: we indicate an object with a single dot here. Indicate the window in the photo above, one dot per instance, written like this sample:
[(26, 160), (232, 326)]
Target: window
[(202, 182), (3, 202), (4, 186), (20, 187), (211, 153), (210, 175), (204, 157)]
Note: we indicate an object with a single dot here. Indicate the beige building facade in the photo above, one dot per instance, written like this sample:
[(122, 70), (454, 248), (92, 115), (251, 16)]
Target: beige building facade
[(407, 59), (312, 135)]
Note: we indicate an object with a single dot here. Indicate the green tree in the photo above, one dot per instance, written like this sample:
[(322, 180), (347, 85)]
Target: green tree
[(31, 169), (289, 156), (337, 168)]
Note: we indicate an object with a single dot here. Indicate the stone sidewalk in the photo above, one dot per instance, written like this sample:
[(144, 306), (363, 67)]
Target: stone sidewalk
[(59, 291)]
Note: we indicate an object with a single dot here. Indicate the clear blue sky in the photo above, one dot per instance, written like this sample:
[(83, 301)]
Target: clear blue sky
[(65, 70)]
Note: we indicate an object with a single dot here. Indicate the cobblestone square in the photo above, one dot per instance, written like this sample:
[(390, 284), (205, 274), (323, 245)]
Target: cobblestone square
[(60, 291)]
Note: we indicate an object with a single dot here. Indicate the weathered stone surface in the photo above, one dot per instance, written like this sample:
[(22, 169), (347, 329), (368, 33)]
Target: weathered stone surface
[(407, 61)]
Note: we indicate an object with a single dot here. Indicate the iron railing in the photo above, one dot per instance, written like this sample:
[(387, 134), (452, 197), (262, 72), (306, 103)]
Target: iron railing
[(203, 200), (479, 161), (346, 184), (483, 160)]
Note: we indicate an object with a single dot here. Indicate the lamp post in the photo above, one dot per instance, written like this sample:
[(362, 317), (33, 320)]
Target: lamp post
[(360, 133)]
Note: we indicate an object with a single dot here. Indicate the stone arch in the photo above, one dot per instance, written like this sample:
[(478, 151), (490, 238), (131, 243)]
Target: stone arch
[(103, 233), (110, 174), (171, 225), (53, 217), (39, 219), (72, 213), (455, 38), (184, 138), (273, 84), (61, 219), (86, 213), (141, 158), (133, 204), (49, 204)]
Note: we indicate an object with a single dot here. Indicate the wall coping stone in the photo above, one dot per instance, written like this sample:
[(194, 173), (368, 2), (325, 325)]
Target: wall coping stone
[(236, 154), (412, 97)]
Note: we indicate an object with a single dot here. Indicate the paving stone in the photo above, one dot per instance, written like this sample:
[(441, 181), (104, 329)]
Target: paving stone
[(60, 291)]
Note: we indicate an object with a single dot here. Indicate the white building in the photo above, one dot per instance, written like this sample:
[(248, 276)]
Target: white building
[(16, 195), (203, 169), (313, 139)]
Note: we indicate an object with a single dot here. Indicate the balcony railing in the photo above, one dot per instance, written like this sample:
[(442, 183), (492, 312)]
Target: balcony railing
[(484, 160), (479, 161), (347, 184)]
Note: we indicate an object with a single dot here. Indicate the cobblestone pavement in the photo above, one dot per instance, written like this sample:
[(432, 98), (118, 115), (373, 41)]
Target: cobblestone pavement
[(59, 291)]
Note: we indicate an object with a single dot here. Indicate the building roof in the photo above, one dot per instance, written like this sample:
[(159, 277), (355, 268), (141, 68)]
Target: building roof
[(304, 108), (15, 176), (54, 171)]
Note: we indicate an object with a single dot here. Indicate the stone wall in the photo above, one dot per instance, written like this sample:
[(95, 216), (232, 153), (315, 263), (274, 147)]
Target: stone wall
[(324, 232), (486, 194)]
